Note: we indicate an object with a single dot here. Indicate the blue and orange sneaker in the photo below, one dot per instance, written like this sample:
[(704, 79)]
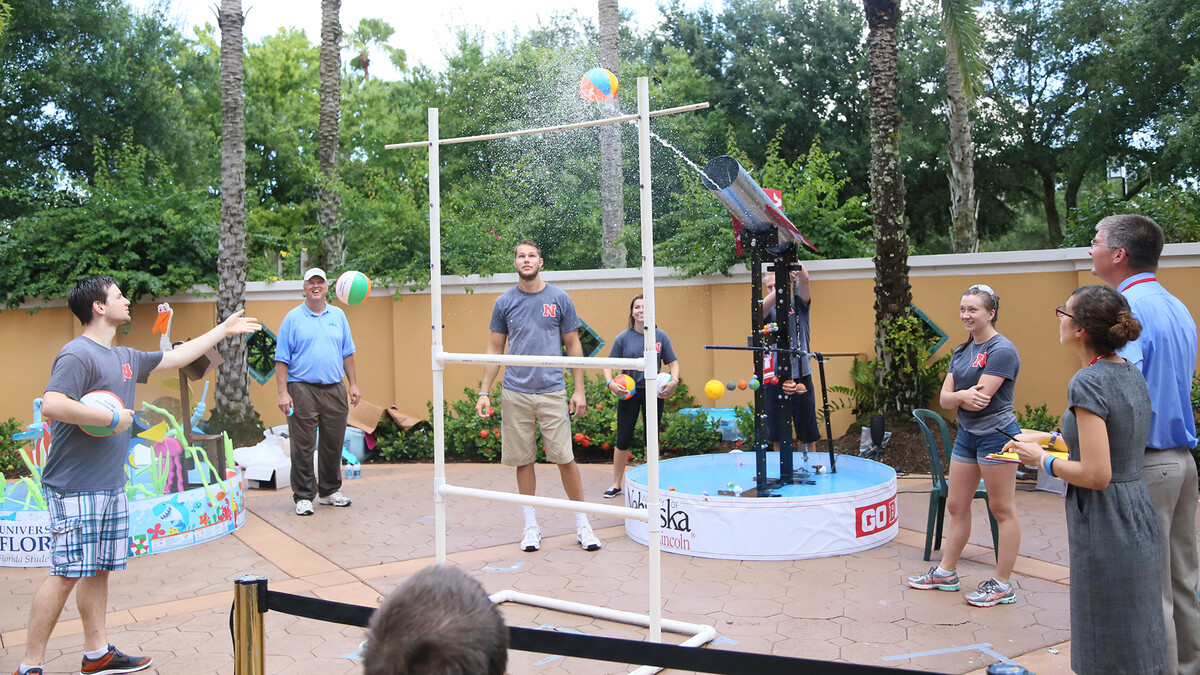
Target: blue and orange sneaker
[(934, 580), (990, 593), (114, 663)]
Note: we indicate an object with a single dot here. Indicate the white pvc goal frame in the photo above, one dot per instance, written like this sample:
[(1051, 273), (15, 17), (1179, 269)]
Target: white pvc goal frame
[(701, 634)]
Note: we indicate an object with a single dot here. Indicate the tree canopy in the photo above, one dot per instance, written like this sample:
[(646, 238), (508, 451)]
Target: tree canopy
[(111, 143)]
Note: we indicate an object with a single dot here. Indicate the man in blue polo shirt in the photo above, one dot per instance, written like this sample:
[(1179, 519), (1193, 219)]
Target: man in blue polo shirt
[(1125, 254), (313, 353)]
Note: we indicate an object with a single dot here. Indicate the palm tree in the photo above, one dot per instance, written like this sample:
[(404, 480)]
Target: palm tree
[(233, 394), (329, 212), (964, 44), (612, 203), (373, 33), (893, 295)]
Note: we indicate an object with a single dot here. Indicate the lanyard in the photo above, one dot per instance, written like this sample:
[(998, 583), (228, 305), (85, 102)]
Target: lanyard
[(1139, 281)]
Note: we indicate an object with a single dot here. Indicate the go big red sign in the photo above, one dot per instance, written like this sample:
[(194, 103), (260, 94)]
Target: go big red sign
[(875, 518)]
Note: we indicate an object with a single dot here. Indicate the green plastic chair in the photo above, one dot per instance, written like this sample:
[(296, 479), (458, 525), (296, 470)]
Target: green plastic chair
[(941, 489)]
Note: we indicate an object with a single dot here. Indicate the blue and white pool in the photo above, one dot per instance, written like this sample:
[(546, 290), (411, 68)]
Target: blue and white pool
[(844, 512)]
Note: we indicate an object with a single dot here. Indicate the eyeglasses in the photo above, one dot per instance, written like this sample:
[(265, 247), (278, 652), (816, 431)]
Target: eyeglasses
[(1061, 311), (1096, 244)]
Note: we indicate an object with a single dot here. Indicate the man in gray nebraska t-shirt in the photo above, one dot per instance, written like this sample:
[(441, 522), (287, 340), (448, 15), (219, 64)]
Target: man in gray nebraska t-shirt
[(536, 318), (84, 476)]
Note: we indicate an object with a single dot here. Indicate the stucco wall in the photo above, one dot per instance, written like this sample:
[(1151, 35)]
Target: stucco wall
[(393, 336)]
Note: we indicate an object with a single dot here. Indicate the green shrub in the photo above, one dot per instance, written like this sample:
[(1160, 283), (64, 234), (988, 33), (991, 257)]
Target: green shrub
[(394, 444), (1037, 419), (688, 434), (10, 450), (472, 438)]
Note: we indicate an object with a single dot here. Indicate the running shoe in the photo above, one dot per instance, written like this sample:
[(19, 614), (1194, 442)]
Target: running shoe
[(990, 594), (587, 538), (35, 670), (932, 580), (532, 540), (335, 499), (114, 662), (304, 507)]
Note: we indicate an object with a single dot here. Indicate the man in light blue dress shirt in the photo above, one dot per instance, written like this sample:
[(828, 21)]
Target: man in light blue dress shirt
[(1125, 254)]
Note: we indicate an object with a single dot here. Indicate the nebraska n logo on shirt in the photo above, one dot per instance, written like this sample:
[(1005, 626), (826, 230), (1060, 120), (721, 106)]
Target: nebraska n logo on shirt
[(549, 310), (126, 372), (980, 360)]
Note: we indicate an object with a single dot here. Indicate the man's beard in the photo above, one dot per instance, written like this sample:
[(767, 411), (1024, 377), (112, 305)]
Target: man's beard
[(528, 277)]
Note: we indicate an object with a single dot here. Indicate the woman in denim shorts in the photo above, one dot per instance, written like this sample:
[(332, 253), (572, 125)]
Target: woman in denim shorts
[(979, 387)]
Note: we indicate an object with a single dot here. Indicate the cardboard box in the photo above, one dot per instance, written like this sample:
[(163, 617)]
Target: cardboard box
[(404, 420), (364, 416), (274, 476), (203, 365)]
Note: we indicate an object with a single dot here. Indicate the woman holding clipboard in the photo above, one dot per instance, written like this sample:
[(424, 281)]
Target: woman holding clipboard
[(1112, 530)]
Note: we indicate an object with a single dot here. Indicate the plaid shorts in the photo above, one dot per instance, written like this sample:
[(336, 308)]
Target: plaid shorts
[(89, 530)]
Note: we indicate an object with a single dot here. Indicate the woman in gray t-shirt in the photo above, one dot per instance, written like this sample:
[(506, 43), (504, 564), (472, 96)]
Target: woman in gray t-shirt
[(1112, 530), (631, 344), (979, 388)]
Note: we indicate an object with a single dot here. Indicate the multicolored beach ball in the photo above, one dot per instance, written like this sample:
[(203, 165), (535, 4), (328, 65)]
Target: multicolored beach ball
[(598, 85), (353, 287)]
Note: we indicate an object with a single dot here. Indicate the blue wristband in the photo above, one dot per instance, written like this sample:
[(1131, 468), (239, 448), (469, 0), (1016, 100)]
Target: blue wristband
[(116, 420), (1048, 464)]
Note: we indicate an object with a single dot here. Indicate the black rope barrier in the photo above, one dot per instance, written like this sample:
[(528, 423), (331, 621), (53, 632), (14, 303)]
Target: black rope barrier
[(592, 647)]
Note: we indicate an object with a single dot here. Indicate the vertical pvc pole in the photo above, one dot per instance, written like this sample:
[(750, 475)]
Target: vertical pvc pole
[(435, 311), (654, 529), (248, 645)]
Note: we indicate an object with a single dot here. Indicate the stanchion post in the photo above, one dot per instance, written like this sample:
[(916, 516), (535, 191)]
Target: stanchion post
[(248, 645)]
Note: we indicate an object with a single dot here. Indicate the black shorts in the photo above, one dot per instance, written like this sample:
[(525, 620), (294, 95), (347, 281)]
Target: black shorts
[(627, 416), (804, 412)]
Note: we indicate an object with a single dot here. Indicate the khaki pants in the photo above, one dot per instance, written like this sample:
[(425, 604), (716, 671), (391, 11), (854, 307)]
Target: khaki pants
[(1170, 477)]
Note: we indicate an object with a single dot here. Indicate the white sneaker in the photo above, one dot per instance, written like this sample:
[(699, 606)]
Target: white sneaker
[(587, 538), (532, 540), (303, 507), (335, 499)]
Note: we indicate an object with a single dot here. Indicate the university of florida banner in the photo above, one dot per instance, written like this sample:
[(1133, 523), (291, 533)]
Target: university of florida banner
[(156, 524)]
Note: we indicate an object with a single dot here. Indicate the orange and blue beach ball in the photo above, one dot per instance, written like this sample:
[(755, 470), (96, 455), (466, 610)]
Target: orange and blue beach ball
[(598, 85)]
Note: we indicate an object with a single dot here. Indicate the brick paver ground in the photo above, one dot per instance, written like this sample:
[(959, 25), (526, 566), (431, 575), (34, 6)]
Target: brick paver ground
[(854, 608)]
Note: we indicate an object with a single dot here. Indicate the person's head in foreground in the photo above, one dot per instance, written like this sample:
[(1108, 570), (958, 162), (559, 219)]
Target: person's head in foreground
[(439, 622)]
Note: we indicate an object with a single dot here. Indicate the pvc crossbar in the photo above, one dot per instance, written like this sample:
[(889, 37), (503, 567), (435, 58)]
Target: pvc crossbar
[(549, 502), (648, 364), (546, 130), (700, 634), (536, 360)]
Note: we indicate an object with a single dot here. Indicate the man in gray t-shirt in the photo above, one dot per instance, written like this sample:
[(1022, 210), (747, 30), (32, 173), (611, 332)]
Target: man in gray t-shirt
[(84, 476), (536, 318)]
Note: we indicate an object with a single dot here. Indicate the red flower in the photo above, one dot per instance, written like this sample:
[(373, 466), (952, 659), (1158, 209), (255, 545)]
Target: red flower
[(604, 446), (578, 436), (496, 431), (156, 531), (587, 442), (483, 433)]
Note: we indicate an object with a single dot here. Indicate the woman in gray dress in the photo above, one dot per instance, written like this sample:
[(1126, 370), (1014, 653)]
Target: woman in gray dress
[(1112, 532)]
